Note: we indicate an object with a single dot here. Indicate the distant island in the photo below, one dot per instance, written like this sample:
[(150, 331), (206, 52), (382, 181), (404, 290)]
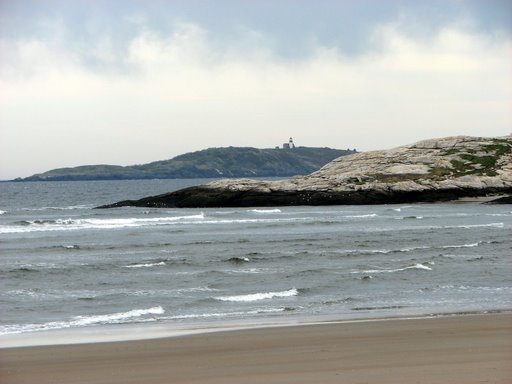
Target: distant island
[(228, 162), (433, 170)]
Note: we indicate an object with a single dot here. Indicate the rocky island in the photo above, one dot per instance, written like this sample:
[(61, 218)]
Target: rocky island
[(207, 163), (432, 170)]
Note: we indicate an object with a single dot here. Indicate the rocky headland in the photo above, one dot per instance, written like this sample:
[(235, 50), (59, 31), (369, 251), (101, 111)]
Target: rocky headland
[(428, 171)]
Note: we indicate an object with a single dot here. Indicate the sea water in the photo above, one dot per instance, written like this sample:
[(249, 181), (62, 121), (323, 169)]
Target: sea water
[(64, 264)]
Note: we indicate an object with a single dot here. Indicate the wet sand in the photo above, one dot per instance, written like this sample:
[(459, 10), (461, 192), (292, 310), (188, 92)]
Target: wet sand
[(451, 349)]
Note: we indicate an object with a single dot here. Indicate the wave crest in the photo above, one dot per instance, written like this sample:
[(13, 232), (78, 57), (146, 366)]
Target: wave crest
[(113, 318), (259, 296), (383, 270), (276, 210)]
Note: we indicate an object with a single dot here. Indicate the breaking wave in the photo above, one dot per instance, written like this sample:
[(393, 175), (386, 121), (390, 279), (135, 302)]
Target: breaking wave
[(116, 317), (77, 321), (111, 223), (492, 225), (384, 270), (462, 245), (146, 265), (265, 210), (259, 296), (117, 223)]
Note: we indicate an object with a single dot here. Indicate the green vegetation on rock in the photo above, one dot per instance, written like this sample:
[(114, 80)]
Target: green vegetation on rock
[(471, 162), (499, 148), (439, 173), (208, 163)]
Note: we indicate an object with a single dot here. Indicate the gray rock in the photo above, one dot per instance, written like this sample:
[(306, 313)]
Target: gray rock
[(430, 170)]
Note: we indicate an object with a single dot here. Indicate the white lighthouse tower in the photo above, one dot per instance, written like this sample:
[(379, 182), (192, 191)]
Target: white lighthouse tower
[(289, 144)]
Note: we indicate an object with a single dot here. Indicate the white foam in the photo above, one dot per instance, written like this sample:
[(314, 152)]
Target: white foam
[(77, 321), (462, 246), (494, 225), (113, 223), (419, 266), (224, 314), (110, 223), (246, 221), (145, 265), (2, 212), (115, 317), (362, 216), (400, 209), (265, 210), (139, 221), (385, 251), (74, 246), (225, 212), (383, 270), (245, 270), (259, 296), (414, 248)]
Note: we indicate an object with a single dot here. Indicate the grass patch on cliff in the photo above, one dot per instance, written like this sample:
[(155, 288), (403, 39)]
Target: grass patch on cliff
[(484, 161), (474, 165), (451, 151), (456, 151), (499, 148), (440, 173)]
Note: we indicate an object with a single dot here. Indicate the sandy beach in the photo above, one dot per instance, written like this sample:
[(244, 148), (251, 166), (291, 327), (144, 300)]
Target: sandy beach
[(448, 349)]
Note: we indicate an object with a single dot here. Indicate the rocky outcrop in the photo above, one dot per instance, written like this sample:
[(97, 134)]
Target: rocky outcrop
[(501, 200), (431, 170)]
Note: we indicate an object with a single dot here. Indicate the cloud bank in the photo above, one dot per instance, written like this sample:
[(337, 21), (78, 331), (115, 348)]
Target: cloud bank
[(159, 94)]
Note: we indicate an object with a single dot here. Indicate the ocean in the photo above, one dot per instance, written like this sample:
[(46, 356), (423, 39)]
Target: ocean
[(65, 265)]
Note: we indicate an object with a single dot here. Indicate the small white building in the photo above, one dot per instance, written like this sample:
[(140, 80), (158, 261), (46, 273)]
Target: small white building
[(289, 144)]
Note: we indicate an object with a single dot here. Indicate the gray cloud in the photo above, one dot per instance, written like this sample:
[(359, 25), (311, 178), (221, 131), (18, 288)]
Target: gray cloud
[(126, 89), (295, 27)]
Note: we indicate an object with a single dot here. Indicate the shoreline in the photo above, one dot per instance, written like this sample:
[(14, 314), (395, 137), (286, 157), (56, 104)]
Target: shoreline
[(456, 348), (129, 332)]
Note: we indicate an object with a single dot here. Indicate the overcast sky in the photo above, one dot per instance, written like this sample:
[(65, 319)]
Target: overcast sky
[(129, 82)]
